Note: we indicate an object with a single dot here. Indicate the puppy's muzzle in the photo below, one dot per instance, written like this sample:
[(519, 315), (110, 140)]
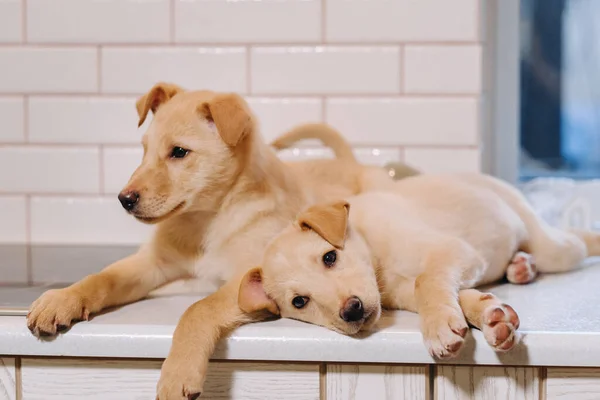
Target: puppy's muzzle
[(352, 310)]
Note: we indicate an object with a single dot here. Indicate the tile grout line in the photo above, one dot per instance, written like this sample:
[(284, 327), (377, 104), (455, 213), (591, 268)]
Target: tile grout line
[(402, 68), (249, 70), (479, 10), (234, 45), (23, 21), (62, 195), (28, 239), (28, 217), (282, 95), (172, 7), (99, 69), (69, 145), (136, 146), (26, 119), (401, 151), (323, 22), (101, 177)]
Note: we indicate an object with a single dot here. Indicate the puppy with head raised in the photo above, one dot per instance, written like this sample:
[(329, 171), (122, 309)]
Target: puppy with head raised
[(421, 247), (217, 194)]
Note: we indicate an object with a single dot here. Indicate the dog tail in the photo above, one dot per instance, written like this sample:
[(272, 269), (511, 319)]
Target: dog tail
[(326, 134), (591, 240)]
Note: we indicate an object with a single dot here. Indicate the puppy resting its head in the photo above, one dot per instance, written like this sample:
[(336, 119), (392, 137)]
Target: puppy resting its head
[(318, 271)]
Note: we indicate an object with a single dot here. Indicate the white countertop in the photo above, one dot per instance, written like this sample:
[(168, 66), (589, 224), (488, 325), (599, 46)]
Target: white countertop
[(560, 326)]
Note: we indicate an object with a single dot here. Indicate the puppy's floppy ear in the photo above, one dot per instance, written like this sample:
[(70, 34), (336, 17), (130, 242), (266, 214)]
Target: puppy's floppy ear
[(252, 296), (328, 220), (231, 116), (158, 95)]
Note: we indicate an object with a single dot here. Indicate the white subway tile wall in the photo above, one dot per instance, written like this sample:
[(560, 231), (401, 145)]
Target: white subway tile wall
[(49, 169), (325, 70), (246, 21), (31, 69), (402, 79), (461, 73), (135, 70), (13, 214), (118, 165), (83, 119), (277, 115), (374, 21), (406, 121), (82, 220), (11, 21), (12, 119), (443, 160), (93, 21)]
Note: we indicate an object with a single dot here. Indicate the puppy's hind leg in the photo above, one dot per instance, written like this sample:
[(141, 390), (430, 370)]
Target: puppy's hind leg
[(498, 321), (554, 250), (521, 269)]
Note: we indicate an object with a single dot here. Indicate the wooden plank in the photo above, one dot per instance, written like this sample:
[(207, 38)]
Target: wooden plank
[(381, 382), (8, 386), (49, 379), (573, 383), (486, 382)]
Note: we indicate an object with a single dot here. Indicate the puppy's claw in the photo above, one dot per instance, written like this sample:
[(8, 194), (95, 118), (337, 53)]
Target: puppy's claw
[(462, 332)]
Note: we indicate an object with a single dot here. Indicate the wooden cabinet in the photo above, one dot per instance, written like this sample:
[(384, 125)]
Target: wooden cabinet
[(573, 383), (125, 379), (487, 383), (8, 379), (49, 379), (381, 382)]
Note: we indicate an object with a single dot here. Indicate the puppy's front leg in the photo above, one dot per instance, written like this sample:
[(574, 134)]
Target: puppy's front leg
[(197, 333), (127, 280), (443, 323), (498, 321)]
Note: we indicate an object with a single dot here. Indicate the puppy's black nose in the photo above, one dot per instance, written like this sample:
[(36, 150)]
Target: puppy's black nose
[(129, 200), (353, 310)]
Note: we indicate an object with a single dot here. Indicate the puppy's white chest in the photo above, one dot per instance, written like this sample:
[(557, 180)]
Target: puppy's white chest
[(214, 268)]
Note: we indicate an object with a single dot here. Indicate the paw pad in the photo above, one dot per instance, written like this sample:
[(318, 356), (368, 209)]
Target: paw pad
[(522, 269), (500, 326)]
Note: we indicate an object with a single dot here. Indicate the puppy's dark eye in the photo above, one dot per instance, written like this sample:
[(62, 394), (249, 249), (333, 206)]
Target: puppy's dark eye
[(179, 152), (329, 258), (300, 301)]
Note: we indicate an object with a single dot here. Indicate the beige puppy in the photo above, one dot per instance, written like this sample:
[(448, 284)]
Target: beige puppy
[(423, 246), (218, 195)]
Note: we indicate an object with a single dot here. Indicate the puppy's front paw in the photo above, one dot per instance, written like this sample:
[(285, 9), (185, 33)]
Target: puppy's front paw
[(444, 332), (179, 380), (55, 311), (500, 323)]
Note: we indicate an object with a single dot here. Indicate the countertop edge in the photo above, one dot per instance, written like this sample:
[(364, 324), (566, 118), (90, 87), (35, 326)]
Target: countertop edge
[(259, 343)]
